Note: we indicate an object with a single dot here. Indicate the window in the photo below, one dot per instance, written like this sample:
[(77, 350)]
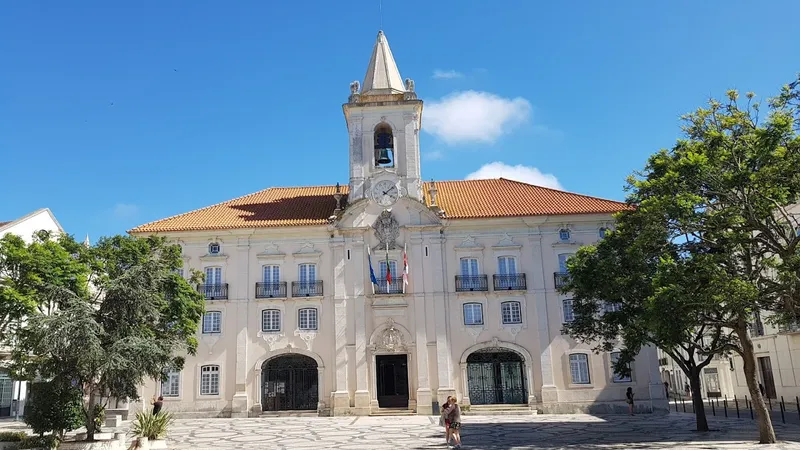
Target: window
[(511, 312), (214, 276), (271, 276), (507, 265), (270, 320), (616, 377), (384, 146), (392, 268), (179, 272), (307, 319), (603, 232), (473, 314), (307, 274), (569, 314), (209, 380), (611, 307), (469, 267), (171, 387), (563, 234), (213, 248), (212, 322), (562, 262), (579, 368)]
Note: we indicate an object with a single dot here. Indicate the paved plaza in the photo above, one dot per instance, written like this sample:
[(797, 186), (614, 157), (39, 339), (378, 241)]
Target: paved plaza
[(480, 432)]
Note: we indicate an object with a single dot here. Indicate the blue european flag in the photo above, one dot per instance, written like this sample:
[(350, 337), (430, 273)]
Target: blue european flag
[(371, 272)]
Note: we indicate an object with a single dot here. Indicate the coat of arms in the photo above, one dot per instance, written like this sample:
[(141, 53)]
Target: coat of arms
[(386, 229)]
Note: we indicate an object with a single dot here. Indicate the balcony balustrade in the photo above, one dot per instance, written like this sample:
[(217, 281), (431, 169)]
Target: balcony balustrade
[(307, 288), (472, 283), (271, 290), (214, 291), (384, 288), (515, 282), (561, 278)]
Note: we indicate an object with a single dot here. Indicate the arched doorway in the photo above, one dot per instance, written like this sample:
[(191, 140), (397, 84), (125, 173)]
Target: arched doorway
[(496, 376), (289, 382)]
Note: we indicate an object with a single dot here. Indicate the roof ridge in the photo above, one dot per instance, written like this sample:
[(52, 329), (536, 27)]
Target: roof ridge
[(564, 191)]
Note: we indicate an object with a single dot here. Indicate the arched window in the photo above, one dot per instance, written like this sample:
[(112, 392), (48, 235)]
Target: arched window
[(384, 146)]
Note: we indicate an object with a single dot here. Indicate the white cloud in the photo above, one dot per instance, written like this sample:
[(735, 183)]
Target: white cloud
[(472, 116), (125, 210), (525, 174), (434, 155), (446, 74)]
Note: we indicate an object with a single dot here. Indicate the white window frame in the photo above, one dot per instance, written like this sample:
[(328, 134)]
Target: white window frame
[(578, 361), (274, 313), (471, 305), (567, 318), (382, 270), (172, 383), (562, 261), (307, 276), (615, 377), (216, 275), (210, 375), (308, 319), (611, 307), (210, 329), (511, 304), (503, 266), (564, 234), (214, 248)]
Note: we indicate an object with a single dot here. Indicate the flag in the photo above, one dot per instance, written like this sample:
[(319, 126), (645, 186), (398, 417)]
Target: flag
[(371, 272), (388, 268), (405, 269)]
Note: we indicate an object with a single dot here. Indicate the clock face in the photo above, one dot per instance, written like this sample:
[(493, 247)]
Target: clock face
[(385, 193)]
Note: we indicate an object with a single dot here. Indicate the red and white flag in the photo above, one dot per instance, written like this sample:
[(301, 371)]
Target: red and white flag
[(405, 269)]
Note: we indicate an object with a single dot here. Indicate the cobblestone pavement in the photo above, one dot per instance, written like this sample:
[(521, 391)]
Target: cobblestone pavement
[(479, 432)]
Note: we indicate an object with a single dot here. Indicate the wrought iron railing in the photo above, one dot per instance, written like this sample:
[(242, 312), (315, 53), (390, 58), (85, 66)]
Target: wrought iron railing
[(395, 287), (214, 291), (561, 278), (515, 282), (469, 283), (307, 288), (271, 290)]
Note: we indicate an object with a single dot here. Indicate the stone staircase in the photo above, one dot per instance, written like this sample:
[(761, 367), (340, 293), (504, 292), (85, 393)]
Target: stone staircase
[(392, 412), (500, 410), (311, 413)]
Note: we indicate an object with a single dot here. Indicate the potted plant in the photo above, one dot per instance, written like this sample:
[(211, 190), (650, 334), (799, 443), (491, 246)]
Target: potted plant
[(150, 430), (11, 439)]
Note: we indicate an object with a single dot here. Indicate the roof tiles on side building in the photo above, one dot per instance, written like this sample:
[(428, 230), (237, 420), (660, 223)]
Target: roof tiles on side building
[(313, 205)]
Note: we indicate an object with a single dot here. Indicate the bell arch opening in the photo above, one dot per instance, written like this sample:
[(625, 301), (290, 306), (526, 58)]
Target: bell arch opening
[(496, 376), (384, 146), (289, 383)]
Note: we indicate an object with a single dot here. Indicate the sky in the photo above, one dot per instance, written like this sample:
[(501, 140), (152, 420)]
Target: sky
[(114, 114)]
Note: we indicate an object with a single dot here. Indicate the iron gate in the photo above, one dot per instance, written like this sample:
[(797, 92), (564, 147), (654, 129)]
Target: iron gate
[(496, 377), (290, 382)]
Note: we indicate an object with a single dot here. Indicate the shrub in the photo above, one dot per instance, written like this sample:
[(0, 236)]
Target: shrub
[(54, 407), (150, 426), (99, 417), (49, 442), (12, 436)]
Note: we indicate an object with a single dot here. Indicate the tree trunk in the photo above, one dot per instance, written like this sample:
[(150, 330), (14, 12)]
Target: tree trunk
[(766, 433), (89, 413), (697, 400)]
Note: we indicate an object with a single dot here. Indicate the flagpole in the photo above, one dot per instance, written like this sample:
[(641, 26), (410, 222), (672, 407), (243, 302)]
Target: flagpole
[(369, 260), (405, 274), (388, 267)]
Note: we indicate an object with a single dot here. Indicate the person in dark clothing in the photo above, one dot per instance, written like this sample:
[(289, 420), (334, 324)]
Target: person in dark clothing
[(157, 404), (666, 389), (629, 400)]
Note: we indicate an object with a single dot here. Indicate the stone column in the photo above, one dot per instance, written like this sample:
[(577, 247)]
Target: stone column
[(239, 407), (320, 388), (541, 283), (340, 397), (362, 382), (257, 394), (464, 384)]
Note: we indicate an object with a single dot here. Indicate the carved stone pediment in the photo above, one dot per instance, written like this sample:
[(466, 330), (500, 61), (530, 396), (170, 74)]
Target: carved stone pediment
[(390, 340)]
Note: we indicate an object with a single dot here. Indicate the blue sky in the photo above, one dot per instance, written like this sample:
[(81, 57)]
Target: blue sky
[(114, 115)]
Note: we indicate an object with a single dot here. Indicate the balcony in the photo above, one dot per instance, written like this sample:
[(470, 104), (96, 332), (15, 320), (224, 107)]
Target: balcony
[(307, 288), (384, 288), (271, 290), (472, 283), (214, 291), (561, 278), (515, 282)]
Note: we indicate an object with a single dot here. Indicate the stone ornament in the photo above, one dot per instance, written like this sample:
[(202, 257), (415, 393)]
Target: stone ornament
[(390, 340), (387, 230), (306, 336), (272, 339)]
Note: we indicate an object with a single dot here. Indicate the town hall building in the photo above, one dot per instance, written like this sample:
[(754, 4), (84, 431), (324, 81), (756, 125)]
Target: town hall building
[(387, 293)]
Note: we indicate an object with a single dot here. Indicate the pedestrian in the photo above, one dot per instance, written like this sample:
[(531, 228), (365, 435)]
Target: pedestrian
[(157, 404), (666, 388), (453, 412), (629, 400), (686, 388), (444, 421), (761, 388)]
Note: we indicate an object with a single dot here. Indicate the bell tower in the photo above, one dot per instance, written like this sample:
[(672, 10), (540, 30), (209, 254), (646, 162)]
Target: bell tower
[(383, 120)]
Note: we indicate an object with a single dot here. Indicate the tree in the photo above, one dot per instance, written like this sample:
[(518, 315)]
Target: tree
[(137, 319), (54, 407), (649, 297), (25, 269), (721, 202)]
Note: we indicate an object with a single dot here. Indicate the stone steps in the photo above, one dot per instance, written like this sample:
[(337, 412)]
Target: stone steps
[(313, 413), (393, 412), (500, 410)]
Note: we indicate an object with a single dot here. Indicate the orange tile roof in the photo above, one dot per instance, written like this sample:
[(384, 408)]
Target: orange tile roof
[(299, 206)]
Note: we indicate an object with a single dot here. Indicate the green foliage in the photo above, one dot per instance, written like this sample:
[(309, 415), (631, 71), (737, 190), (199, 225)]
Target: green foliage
[(38, 442), (54, 407), (99, 417), (12, 436), (138, 316), (151, 426)]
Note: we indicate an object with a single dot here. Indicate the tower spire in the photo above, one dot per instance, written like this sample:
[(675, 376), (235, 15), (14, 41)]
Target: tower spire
[(382, 76)]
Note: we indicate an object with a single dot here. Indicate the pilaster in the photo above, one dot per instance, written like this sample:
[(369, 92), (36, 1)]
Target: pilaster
[(239, 404), (549, 390), (424, 397), (443, 355), (361, 400), (340, 398)]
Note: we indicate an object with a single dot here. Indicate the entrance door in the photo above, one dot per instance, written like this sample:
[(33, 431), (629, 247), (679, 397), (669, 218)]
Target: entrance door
[(289, 382), (392, 378), (496, 377), (766, 377), (6, 393), (712, 382)]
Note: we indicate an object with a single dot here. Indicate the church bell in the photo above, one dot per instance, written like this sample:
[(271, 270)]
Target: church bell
[(383, 156)]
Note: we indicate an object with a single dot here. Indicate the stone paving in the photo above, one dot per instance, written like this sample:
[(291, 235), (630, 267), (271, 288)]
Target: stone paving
[(479, 432), (577, 431)]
